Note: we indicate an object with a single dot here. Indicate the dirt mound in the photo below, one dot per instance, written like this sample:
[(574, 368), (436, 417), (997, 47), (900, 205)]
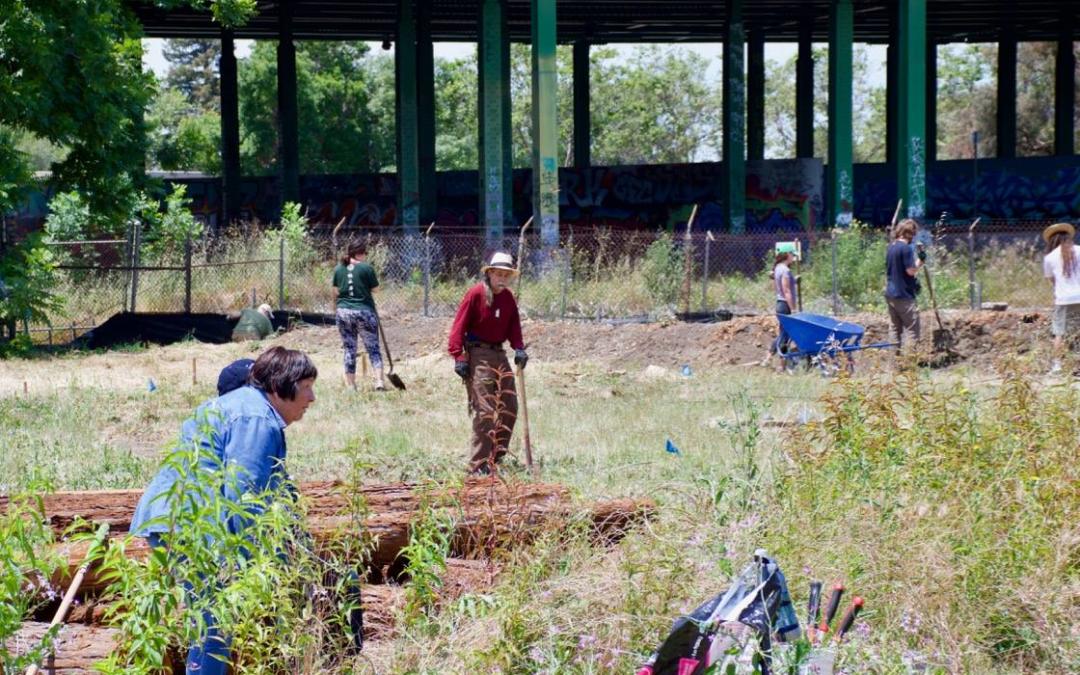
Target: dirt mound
[(981, 337)]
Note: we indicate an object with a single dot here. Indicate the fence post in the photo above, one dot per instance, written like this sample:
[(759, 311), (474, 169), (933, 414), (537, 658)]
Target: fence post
[(281, 273), (565, 282), (971, 265), (427, 273), (135, 255), (835, 278), (127, 257), (705, 272), (187, 274)]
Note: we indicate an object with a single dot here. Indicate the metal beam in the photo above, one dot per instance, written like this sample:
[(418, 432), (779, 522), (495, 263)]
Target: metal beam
[(931, 100), (841, 130), (582, 107), (495, 159), (734, 188), (288, 129), (755, 95), (804, 90), (545, 121), (1006, 94), (892, 86), (911, 104), (408, 146), (230, 131), (1065, 90), (425, 113)]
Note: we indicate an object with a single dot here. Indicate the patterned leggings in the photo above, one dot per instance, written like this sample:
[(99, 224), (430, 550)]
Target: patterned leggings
[(362, 323)]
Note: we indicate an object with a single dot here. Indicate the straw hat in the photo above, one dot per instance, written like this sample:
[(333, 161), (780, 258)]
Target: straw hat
[(1058, 227), (500, 261)]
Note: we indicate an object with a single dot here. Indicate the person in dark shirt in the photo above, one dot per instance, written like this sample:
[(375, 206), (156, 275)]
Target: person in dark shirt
[(488, 317), (901, 270), (354, 280), (253, 324)]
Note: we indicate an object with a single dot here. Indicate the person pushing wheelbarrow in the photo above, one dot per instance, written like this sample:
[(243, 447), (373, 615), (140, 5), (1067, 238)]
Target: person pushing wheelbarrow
[(488, 317)]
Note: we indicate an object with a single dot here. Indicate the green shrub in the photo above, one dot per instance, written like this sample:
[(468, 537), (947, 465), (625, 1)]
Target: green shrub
[(166, 239), (662, 270), (28, 285)]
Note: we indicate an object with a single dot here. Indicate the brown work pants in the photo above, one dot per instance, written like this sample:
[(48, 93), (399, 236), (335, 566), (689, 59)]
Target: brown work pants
[(904, 316), (492, 404)]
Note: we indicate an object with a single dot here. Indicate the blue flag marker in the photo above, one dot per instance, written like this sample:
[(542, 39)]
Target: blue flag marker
[(670, 447), (686, 370), (150, 385)]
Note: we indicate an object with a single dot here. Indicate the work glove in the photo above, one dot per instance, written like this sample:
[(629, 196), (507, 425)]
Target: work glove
[(462, 369), (520, 358), (922, 254)]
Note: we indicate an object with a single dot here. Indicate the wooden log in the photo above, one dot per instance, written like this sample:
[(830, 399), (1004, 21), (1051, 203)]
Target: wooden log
[(323, 498), (77, 647)]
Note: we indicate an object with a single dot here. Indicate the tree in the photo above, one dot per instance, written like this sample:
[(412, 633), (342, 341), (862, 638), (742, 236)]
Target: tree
[(456, 115), (967, 100), (193, 70), (181, 137), (334, 118)]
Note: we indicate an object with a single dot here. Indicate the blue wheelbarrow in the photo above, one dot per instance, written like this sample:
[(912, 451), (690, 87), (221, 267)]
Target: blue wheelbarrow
[(824, 342)]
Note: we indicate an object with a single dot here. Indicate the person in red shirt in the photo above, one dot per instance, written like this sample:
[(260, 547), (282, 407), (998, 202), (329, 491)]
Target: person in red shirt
[(488, 317)]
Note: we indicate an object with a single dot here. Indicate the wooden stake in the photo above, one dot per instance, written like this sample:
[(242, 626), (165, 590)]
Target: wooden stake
[(194, 372), (25, 388), (525, 420)]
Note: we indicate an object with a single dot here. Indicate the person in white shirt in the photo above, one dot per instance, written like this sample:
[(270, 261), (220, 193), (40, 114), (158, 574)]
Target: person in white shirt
[(1061, 266)]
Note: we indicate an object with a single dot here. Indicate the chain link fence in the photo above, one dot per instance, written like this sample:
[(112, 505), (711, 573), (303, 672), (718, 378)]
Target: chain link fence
[(598, 275)]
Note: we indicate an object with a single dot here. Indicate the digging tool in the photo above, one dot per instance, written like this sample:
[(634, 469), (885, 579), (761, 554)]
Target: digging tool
[(521, 254), (394, 378), (895, 218), (943, 338), (76, 582), (689, 264), (813, 610), (830, 612), (849, 618), (525, 418)]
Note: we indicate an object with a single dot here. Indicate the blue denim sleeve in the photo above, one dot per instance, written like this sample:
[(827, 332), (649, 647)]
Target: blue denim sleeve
[(255, 454)]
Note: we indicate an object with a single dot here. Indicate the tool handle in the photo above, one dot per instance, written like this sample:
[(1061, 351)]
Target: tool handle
[(525, 419), (834, 604), (849, 618), (813, 610)]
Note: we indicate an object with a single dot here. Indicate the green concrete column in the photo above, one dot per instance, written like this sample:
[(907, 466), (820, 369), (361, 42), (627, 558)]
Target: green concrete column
[(841, 130), (755, 95), (230, 130), (1006, 93), (582, 107), (734, 187), (288, 133), (892, 86), (911, 105), (804, 90), (408, 147), (545, 122), (931, 100), (425, 112), (1065, 89), (496, 187)]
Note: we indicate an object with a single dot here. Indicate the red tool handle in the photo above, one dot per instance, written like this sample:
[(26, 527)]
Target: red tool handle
[(849, 618)]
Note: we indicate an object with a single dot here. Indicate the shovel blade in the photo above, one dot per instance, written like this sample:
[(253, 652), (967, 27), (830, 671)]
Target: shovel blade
[(395, 380), (943, 340)]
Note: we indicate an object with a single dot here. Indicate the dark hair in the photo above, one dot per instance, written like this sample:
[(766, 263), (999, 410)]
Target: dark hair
[(781, 257), (1069, 263), (279, 370), (355, 250)]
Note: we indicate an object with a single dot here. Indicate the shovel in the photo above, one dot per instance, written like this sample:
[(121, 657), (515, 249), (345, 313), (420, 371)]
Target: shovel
[(394, 378), (943, 339)]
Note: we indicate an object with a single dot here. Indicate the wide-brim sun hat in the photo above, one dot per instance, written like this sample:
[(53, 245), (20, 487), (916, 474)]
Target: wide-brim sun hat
[(500, 261), (1058, 227)]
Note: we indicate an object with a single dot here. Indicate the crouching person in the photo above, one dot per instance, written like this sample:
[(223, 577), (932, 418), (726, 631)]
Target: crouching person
[(232, 448)]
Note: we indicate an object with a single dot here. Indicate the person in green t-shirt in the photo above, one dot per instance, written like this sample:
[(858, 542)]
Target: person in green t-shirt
[(253, 324), (354, 280)]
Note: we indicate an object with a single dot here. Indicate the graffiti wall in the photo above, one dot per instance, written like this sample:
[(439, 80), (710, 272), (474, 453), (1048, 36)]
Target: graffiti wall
[(1031, 188), (781, 195)]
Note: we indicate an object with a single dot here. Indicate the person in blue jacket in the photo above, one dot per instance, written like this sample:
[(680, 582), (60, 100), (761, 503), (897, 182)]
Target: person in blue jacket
[(243, 433)]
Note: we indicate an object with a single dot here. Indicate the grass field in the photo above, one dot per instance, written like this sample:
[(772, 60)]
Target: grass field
[(952, 508)]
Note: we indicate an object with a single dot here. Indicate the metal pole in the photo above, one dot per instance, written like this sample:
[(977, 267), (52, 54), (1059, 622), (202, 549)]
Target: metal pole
[(281, 273), (971, 264), (127, 256), (835, 280), (565, 282), (137, 238), (427, 274), (187, 275), (705, 272)]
